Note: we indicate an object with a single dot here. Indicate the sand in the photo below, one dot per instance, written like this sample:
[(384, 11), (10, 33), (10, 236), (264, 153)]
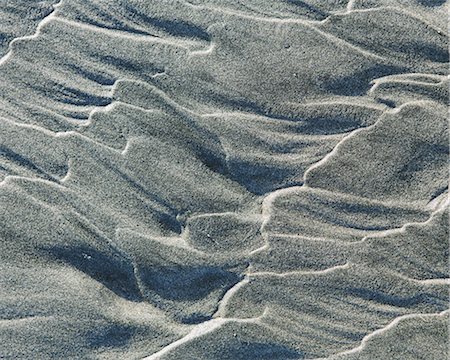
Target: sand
[(221, 180)]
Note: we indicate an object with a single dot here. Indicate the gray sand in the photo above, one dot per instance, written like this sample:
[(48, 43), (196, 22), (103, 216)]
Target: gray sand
[(224, 179)]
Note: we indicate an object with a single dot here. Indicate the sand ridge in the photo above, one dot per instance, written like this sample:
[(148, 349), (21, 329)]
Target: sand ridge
[(224, 179)]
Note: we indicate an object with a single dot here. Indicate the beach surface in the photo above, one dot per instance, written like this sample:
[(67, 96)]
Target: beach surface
[(224, 179)]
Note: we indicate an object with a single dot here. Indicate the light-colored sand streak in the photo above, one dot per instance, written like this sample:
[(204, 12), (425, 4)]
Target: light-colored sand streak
[(39, 27), (228, 296), (298, 272), (121, 34), (267, 206), (198, 331), (307, 23), (355, 133), (350, 5), (381, 331)]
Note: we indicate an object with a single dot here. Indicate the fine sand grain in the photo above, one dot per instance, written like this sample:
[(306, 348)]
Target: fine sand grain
[(224, 179)]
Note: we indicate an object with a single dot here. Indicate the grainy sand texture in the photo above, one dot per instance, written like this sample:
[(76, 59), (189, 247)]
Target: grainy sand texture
[(224, 179)]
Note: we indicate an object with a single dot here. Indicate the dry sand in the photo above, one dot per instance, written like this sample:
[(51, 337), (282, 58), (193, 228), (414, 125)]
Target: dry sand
[(224, 179)]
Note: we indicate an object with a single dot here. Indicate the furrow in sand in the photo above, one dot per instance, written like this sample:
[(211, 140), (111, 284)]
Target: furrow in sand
[(88, 139), (325, 102), (250, 17), (108, 107), (111, 107), (158, 92), (381, 331), (270, 198), (248, 275), (199, 331), (11, 178), (307, 23), (299, 272), (350, 8), (342, 42), (228, 296), (211, 277), (354, 133), (378, 82), (43, 22), (380, 234), (122, 34), (334, 150), (31, 126), (85, 221), (408, 78), (400, 10), (403, 228), (266, 212)]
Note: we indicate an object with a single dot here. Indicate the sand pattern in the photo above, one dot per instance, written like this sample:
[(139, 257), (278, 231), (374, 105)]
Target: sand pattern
[(224, 179)]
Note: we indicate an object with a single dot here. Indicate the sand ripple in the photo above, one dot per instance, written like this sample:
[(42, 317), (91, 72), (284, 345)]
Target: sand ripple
[(224, 179)]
